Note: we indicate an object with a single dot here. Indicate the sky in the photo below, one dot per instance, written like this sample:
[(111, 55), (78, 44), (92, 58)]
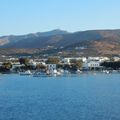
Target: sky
[(29, 16)]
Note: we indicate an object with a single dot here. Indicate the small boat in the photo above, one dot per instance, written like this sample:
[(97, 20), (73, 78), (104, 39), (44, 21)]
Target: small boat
[(78, 71), (66, 72), (28, 72), (39, 74), (53, 73), (58, 73), (61, 71), (106, 71)]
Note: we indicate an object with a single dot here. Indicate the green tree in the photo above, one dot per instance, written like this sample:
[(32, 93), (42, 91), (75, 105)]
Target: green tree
[(52, 60), (79, 63), (24, 61), (40, 66), (7, 65)]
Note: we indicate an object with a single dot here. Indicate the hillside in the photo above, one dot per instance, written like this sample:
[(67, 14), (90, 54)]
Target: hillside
[(92, 42), (13, 41)]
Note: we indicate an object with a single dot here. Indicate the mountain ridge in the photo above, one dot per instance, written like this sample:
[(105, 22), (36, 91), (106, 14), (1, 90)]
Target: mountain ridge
[(91, 40)]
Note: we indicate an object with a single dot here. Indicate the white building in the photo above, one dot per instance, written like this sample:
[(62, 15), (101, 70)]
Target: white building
[(51, 68), (17, 64), (91, 64), (94, 64), (116, 59), (67, 60), (100, 59), (35, 63)]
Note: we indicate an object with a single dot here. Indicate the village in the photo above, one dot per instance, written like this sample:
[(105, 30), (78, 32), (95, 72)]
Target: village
[(57, 66)]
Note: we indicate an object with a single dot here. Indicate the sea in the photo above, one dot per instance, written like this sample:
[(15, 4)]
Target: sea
[(90, 96)]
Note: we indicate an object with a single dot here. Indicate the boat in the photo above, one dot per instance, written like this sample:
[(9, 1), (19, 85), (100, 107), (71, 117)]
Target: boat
[(78, 71), (61, 71), (106, 71), (66, 72), (53, 73), (28, 72), (39, 74)]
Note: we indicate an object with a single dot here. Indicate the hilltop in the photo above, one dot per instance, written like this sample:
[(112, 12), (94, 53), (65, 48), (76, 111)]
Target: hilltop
[(91, 42)]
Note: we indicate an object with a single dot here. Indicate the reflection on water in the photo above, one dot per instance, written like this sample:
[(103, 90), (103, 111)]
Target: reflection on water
[(83, 97)]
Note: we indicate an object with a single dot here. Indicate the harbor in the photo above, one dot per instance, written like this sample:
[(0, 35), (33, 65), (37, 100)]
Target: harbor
[(85, 96)]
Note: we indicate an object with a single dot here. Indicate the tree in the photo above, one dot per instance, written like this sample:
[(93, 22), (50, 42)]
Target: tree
[(24, 61), (52, 60), (7, 65), (77, 63), (40, 66), (112, 65)]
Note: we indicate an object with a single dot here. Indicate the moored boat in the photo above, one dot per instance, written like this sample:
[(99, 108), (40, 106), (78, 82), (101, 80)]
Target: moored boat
[(28, 72)]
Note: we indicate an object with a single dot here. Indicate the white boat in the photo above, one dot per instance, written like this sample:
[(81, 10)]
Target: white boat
[(66, 72), (53, 73), (38, 74), (106, 71), (28, 72), (58, 73), (78, 71), (61, 71)]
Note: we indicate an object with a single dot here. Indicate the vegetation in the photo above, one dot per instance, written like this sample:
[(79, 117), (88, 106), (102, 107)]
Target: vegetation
[(6, 67), (40, 67), (24, 61), (69, 42), (77, 63), (111, 65), (52, 60)]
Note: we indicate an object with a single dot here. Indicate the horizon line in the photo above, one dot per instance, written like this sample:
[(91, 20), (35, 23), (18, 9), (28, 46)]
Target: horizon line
[(17, 34)]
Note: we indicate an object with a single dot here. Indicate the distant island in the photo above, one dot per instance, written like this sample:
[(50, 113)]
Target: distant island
[(62, 43)]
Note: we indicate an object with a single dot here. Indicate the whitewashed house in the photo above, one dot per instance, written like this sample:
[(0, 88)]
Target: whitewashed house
[(116, 59), (91, 64), (67, 60), (101, 59), (51, 68), (94, 64), (17, 64)]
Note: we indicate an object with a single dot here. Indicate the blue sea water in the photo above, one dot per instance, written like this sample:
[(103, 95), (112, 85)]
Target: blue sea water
[(75, 97)]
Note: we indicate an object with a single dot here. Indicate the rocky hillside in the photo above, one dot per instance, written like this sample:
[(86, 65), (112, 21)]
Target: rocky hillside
[(99, 42)]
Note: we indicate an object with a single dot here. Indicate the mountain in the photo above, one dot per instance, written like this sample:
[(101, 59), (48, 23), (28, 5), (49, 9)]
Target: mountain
[(91, 42), (13, 40)]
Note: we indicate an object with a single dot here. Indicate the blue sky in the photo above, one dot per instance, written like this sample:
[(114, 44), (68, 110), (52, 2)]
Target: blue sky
[(27, 16)]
